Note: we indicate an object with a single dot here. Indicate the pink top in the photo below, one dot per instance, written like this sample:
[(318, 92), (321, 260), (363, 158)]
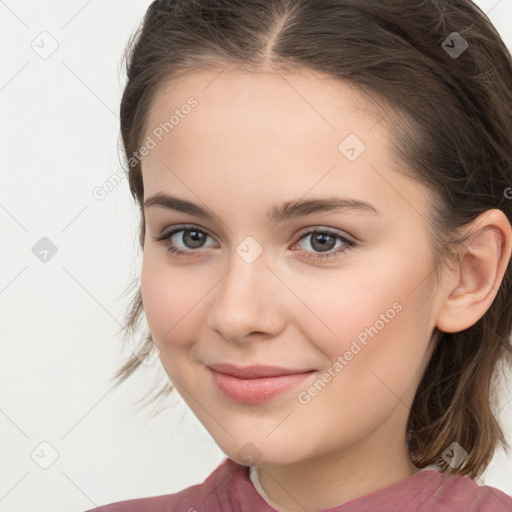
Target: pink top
[(229, 488)]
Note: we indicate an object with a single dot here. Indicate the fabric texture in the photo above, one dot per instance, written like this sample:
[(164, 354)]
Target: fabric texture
[(229, 488)]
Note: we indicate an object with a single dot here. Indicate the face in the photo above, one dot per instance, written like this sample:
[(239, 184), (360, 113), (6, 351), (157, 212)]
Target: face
[(338, 292)]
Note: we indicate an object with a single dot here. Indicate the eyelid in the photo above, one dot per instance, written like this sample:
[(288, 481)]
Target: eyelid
[(347, 243), (184, 227), (321, 229), (303, 232)]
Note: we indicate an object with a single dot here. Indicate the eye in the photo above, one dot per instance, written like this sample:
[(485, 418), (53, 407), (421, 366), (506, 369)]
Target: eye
[(191, 237), (324, 240)]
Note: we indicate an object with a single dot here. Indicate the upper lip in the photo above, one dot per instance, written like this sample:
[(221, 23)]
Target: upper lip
[(254, 371)]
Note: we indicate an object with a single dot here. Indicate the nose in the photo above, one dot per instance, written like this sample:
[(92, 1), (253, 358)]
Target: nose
[(247, 301)]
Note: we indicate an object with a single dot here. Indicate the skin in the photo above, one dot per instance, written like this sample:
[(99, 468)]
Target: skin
[(253, 141)]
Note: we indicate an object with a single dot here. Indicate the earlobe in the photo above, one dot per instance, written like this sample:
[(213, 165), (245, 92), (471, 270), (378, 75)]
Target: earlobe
[(483, 260)]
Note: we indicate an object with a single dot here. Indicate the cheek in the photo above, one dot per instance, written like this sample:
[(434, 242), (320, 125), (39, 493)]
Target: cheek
[(372, 320), (172, 303), (374, 362), (348, 302)]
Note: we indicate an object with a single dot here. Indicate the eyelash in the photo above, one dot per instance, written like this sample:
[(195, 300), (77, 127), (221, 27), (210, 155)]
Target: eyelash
[(348, 244)]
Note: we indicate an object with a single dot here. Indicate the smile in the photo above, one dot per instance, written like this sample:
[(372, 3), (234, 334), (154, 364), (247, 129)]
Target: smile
[(256, 390)]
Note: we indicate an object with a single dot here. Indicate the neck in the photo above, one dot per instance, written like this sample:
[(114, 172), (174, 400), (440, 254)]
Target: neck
[(335, 478)]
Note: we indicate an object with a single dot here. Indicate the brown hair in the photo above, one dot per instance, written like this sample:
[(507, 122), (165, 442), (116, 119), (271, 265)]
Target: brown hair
[(451, 120)]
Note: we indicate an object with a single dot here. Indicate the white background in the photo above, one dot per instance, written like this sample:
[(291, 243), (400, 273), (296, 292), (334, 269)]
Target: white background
[(59, 347)]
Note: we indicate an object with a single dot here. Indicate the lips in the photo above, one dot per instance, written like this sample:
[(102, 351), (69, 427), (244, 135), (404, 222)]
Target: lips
[(256, 384), (255, 371)]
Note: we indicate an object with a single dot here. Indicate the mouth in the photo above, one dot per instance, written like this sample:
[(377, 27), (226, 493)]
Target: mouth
[(255, 384)]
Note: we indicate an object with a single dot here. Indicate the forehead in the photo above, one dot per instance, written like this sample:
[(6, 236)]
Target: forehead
[(271, 135), (259, 120), (272, 97)]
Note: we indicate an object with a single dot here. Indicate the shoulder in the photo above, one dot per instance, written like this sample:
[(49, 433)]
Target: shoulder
[(224, 489), (429, 491), (449, 492)]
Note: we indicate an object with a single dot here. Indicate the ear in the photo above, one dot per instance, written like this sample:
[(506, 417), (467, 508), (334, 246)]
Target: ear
[(472, 286)]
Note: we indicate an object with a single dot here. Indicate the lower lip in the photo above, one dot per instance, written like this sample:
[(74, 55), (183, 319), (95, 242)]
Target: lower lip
[(255, 391)]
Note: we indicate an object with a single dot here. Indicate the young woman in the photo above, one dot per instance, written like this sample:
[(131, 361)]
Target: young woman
[(325, 191)]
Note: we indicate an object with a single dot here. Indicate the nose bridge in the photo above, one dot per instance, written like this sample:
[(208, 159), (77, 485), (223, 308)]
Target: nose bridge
[(246, 279), (245, 300)]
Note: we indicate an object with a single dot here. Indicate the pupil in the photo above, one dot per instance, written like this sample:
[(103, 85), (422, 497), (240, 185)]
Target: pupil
[(321, 240), (196, 236)]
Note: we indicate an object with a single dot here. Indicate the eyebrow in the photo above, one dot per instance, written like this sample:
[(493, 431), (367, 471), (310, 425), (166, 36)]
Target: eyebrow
[(278, 213)]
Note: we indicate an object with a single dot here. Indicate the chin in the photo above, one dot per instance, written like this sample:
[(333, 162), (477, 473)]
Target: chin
[(268, 453)]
